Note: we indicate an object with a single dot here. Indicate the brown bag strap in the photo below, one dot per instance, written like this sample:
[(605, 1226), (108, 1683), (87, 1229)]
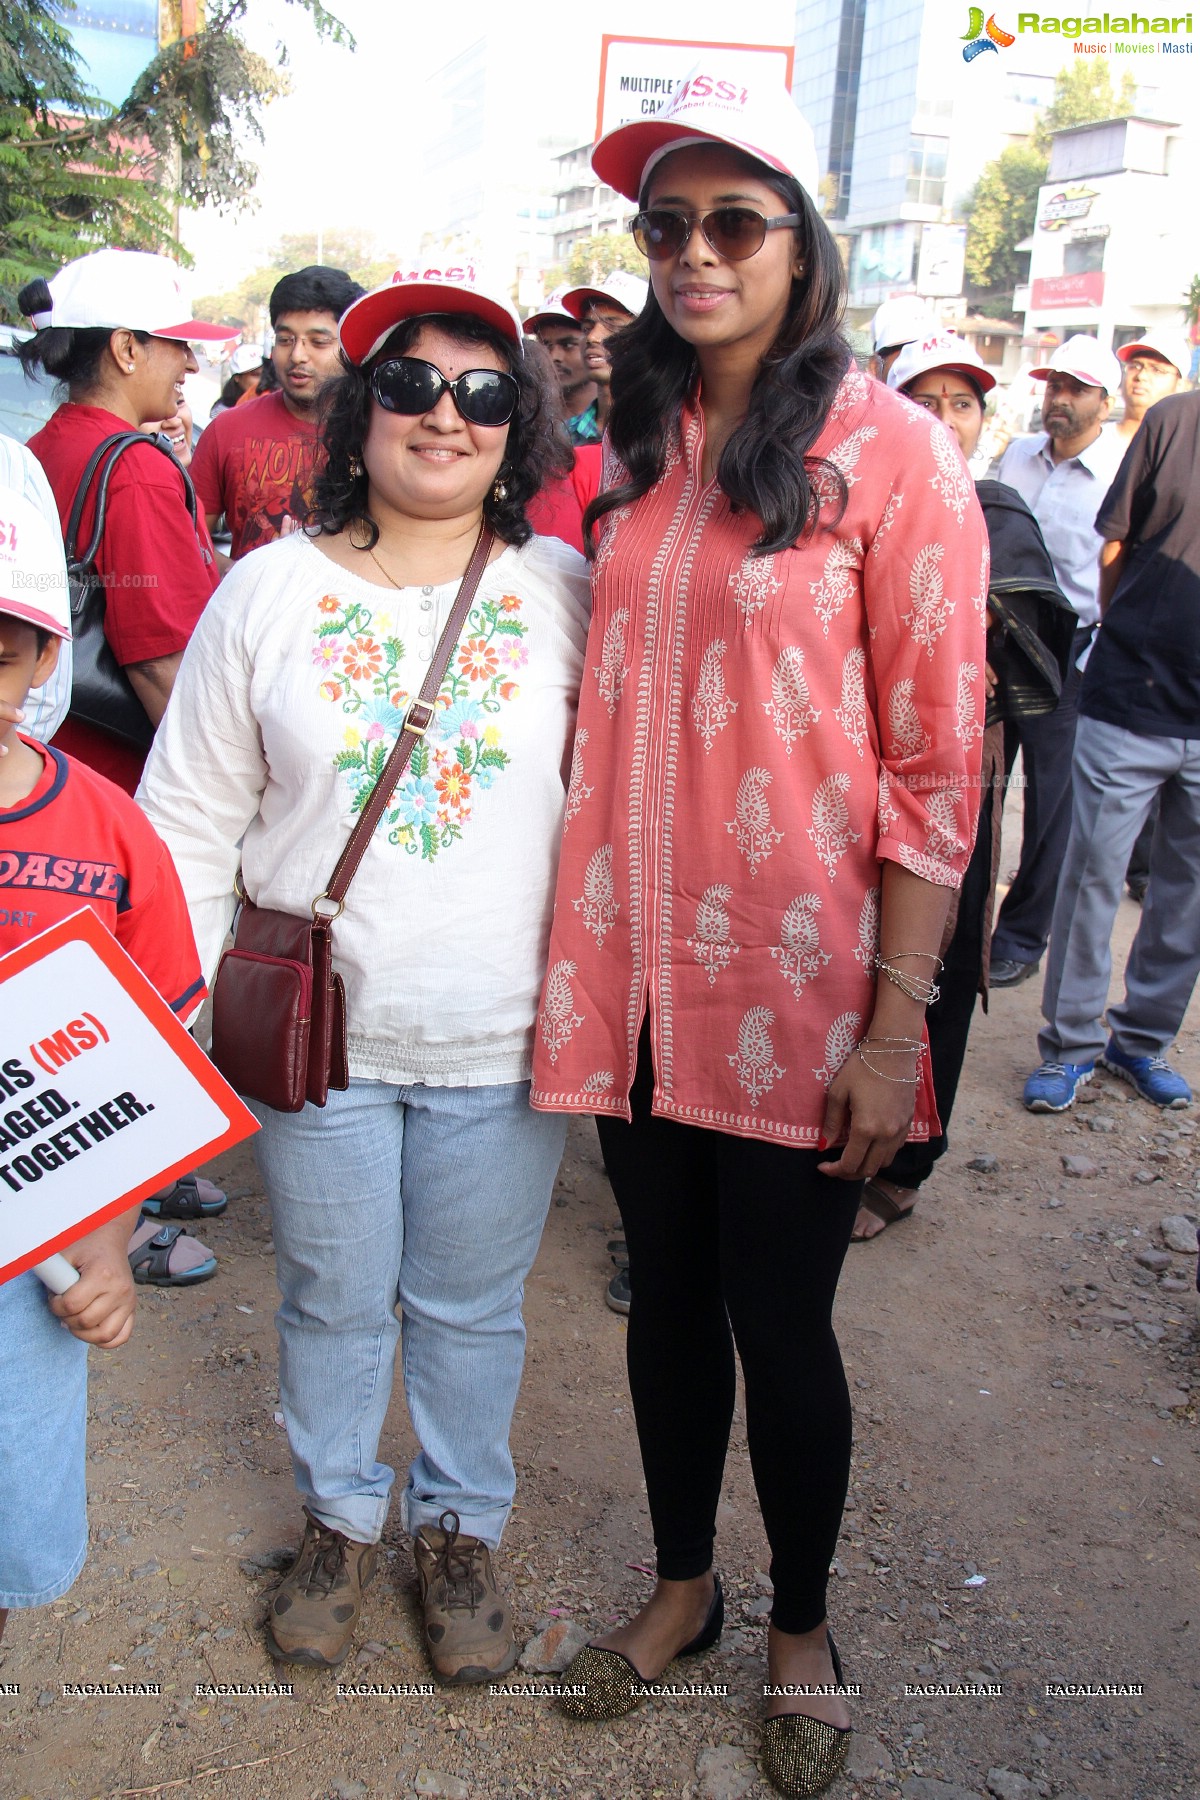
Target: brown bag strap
[(418, 717)]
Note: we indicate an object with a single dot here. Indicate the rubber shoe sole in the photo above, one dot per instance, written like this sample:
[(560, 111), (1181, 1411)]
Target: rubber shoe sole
[(1172, 1103), (1043, 1102), (320, 1598)]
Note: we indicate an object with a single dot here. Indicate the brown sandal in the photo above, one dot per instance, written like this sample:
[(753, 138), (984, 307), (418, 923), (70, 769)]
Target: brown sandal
[(876, 1199)]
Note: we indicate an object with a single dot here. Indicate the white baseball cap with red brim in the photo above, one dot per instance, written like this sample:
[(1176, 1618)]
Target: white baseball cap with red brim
[(753, 114), (33, 569), (554, 312), (130, 290), (940, 350), (1082, 357), (1171, 346), (900, 320), (245, 358), (621, 289), (367, 324)]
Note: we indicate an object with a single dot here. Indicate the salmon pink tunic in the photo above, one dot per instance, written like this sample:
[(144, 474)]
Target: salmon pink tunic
[(756, 735)]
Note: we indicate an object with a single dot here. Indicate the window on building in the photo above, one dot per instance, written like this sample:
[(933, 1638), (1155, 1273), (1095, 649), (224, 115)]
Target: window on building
[(1083, 258), (926, 184)]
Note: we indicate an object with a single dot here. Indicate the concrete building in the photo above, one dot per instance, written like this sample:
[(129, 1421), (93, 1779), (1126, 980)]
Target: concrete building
[(1110, 254), (584, 206)]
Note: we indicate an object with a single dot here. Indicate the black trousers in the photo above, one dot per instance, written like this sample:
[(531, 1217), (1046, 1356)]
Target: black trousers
[(1047, 752), (731, 1240)]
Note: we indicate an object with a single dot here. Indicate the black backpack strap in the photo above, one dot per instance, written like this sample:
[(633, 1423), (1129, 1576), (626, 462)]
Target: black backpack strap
[(109, 453)]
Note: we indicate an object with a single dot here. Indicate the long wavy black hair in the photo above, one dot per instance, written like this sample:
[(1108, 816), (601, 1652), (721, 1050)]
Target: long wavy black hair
[(766, 466), (535, 451)]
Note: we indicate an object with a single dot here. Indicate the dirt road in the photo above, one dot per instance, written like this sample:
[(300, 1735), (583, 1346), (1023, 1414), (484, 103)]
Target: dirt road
[(1023, 1512)]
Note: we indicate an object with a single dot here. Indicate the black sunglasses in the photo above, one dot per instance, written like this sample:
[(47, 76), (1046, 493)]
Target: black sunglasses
[(408, 384), (734, 232)]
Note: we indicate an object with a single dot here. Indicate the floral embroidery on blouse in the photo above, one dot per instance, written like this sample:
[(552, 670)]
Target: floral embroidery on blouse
[(358, 655)]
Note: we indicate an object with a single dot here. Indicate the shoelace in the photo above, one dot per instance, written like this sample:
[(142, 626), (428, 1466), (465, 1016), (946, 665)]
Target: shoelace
[(454, 1566), (329, 1560)]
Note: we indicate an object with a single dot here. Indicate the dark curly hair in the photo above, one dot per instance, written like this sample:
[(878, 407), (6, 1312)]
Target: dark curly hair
[(536, 451), (766, 466)]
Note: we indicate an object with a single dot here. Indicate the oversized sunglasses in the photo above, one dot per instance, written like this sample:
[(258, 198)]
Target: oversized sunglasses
[(408, 384), (734, 232)]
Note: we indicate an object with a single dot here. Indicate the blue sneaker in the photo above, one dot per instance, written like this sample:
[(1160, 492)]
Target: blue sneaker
[(1052, 1088), (1154, 1079)]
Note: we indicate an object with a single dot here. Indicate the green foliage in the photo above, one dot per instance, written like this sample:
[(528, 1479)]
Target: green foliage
[(354, 251), (76, 174), (1002, 213), (593, 258), (1085, 93), (1191, 301)]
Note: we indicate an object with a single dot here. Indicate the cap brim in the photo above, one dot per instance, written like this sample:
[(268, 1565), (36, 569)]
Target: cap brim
[(547, 318), (198, 331), (1088, 378), (32, 615), (368, 323), (620, 157), (984, 381)]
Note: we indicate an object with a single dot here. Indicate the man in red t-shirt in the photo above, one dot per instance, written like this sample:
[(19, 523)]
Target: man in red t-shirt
[(257, 463)]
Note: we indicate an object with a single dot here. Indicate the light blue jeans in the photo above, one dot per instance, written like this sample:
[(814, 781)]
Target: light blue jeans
[(427, 1199), (43, 1432)]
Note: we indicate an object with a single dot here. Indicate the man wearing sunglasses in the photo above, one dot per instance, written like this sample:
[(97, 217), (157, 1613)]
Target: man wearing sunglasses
[(257, 463), (603, 310)]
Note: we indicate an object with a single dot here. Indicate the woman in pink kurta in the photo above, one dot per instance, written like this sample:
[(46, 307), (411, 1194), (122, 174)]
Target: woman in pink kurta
[(774, 786)]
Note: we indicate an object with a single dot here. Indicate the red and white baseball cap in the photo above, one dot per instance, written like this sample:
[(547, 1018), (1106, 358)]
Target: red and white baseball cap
[(554, 312), (33, 569), (1172, 346), (367, 324), (245, 358), (900, 320), (131, 290), (1082, 357), (621, 289), (753, 113), (940, 350)]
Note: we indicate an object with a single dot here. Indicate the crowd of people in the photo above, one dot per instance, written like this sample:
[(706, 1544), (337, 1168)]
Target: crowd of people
[(697, 833)]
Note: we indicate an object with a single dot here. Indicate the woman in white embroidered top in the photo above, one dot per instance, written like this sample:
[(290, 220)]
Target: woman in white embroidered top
[(774, 792), (424, 1185)]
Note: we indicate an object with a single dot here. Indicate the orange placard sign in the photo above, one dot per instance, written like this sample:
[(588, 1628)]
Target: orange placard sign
[(104, 1096)]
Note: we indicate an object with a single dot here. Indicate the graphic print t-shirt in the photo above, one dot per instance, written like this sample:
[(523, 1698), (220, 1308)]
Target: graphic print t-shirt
[(77, 840), (256, 464)]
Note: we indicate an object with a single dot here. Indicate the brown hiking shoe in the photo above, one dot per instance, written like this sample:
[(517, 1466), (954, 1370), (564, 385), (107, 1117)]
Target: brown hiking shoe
[(468, 1624), (315, 1608)]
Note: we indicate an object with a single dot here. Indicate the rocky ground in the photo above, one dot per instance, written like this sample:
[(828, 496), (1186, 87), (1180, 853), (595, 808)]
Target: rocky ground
[(1024, 1359)]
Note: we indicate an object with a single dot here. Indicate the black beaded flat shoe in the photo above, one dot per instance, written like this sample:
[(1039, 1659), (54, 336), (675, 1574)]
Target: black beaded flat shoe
[(611, 1684), (802, 1756)]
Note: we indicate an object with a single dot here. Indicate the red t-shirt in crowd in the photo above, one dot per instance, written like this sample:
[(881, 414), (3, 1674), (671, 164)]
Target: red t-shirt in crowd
[(160, 571), (76, 841), (257, 464), (558, 510)]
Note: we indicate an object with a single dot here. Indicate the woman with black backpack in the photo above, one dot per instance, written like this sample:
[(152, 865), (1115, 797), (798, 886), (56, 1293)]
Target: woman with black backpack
[(113, 329)]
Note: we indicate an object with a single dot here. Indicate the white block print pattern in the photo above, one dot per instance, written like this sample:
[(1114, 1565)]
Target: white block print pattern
[(712, 942), (867, 948), (886, 520), (830, 829), (840, 1040), (854, 389), (754, 1061), (967, 724), (798, 952), (836, 585), (599, 1082), (560, 1021), (887, 813), (941, 821), (711, 705), (952, 480), (751, 823), (577, 789), (612, 668), (929, 868), (790, 708), (753, 584), (930, 607), (844, 456), (851, 715), (596, 903), (904, 722)]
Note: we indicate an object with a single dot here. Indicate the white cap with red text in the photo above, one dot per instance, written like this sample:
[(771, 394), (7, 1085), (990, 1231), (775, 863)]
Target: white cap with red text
[(752, 113), (367, 323), (1082, 357), (553, 312), (1172, 346), (899, 321), (940, 350), (114, 290), (622, 289), (33, 569)]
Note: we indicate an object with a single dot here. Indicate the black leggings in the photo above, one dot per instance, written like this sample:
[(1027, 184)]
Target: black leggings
[(724, 1231)]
